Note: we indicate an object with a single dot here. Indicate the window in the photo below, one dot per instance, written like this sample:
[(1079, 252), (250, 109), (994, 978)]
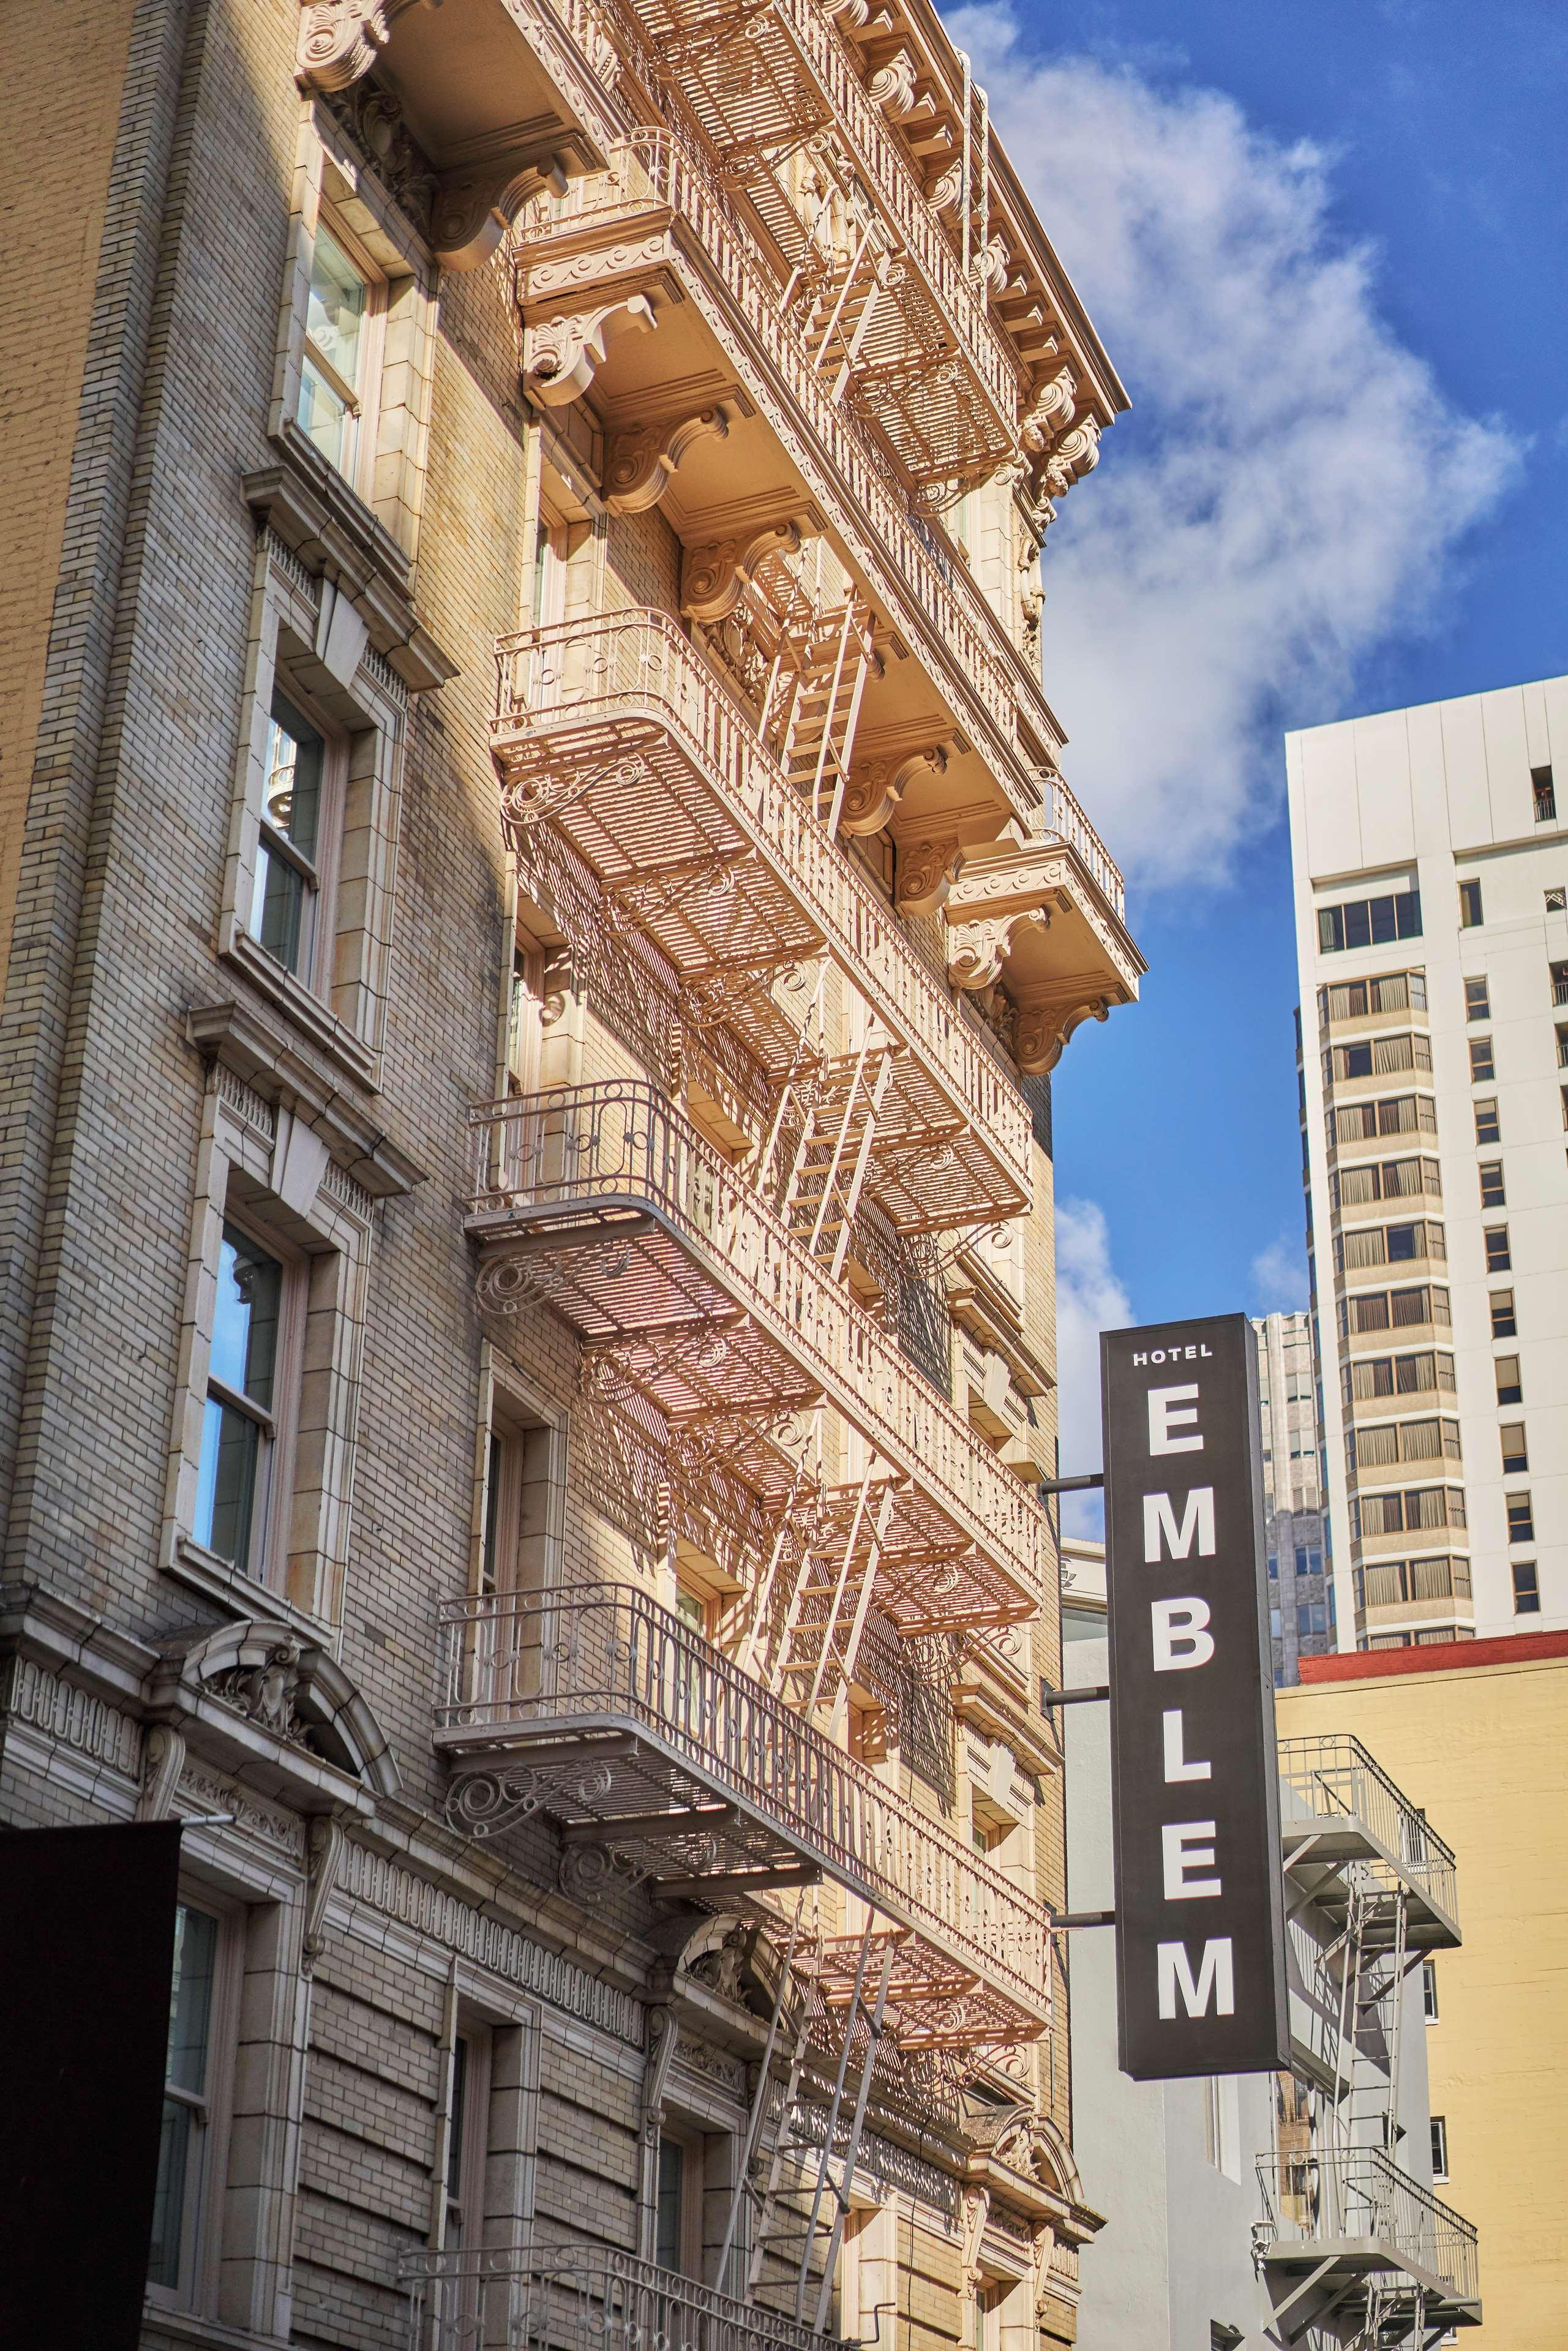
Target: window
[(1275, 1624), (1492, 1193), (1487, 1127), (1222, 2124), (1425, 1506), (288, 916), (1369, 922), (1429, 1991), (1379, 1057), (520, 1498), (1478, 1002), (1526, 1588), (342, 339), (1497, 1258), (1559, 972), (1311, 1620), (1388, 1245), (1395, 1309), (1509, 1385), (1389, 1376), (1354, 999), (1470, 915), (1520, 1518), (187, 2148), (678, 2245), (1557, 900), (239, 1429), (1543, 792), (1503, 1325), (1398, 1114), (1439, 2148), (1515, 1454), (1273, 1566), (1483, 1068), (466, 2147)]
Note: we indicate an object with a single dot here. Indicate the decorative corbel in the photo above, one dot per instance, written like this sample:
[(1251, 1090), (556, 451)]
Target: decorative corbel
[(946, 189), (1076, 453), (875, 790), (476, 204), (664, 2031), (163, 1760), (1052, 413), (977, 950), (713, 575), (892, 87), (925, 875), (340, 40), (642, 461), (1040, 1031), (324, 1846), (977, 2212), (562, 355)]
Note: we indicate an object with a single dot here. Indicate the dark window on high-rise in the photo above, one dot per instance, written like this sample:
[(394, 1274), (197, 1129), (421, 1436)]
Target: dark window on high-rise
[(1369, 922), (1526, 1588), (1544, 794), (1477, 1000), (1470, 915)]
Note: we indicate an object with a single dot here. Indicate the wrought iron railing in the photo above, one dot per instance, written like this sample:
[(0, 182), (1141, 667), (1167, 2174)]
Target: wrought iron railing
[(608, 1651), (618, 664), (1360, 2195), (622, 1139), (972, 646), (1334, 1777), (580, 2299)]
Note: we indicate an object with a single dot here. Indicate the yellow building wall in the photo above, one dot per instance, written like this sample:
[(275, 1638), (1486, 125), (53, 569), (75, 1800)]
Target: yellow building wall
[(65, 70), (1483, 1749)]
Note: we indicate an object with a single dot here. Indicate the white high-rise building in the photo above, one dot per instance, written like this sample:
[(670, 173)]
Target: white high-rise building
[(1300, 1594), (1431, 886)]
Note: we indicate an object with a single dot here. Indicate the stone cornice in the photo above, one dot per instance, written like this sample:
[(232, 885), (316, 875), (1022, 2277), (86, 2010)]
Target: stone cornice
[(262, 1052), (312, 510)]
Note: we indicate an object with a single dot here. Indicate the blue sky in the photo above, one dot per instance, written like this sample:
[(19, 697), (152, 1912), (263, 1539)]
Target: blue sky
[(1326, 248)]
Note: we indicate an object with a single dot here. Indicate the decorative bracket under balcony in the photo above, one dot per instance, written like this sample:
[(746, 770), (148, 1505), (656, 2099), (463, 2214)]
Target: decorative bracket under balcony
[(876, 786), (1028, 917), (562, 355), (714, 576), (477, 200), (642, 459)]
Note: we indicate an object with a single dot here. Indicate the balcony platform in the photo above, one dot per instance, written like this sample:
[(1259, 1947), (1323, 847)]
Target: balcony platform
[(1043, 918), (614, 733), (1339, 1808), (606, 1203), (614, 1717), (582, 2298), (1347, 2218)]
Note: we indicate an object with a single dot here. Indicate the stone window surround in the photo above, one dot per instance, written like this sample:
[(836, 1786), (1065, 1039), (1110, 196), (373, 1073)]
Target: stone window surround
[(324, 617), (329, 170), (285, 1152), (501, 1382)]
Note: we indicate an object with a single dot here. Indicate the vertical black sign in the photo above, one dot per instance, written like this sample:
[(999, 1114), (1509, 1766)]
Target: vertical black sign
[(1195, 1782), (87, 1957)]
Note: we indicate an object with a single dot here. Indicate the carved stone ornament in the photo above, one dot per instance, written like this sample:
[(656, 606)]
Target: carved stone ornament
[(1041, 1030), (1052, 413), (278, 1682), (977, 950), (1076, 453), (924, 875), (323, 1851), (476, 205), (876, 788), (162, 1761), (641, 462), (713, 576), (892, 87), (374, 120), (946, 189), (562, 355), (340, 40)]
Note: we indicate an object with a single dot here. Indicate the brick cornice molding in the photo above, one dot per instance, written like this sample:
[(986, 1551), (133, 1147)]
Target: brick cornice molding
[(312, 509), (262, 1052)]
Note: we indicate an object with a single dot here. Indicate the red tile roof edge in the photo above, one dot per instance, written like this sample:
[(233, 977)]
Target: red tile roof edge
[(1436, 1656)]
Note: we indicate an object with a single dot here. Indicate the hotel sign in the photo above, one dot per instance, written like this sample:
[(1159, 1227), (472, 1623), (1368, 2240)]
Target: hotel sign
[(1195, 1778)]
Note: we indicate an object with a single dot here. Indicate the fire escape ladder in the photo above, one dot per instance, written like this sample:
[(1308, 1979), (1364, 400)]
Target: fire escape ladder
[(790, 2221), (825, 711), (834, 1152), (746, 2154), (829, 1606)]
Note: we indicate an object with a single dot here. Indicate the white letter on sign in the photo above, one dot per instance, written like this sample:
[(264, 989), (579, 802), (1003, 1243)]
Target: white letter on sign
[(1176, 1766), (1180, 1622), (1178, 1841), (1168, 1409), (1216, 1975), (1197, 1519)]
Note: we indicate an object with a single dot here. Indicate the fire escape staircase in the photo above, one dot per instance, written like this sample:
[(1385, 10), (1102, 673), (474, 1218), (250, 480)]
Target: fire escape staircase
[(823, 709)]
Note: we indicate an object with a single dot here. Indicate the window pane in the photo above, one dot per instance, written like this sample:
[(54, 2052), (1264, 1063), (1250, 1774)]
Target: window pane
[(226, 1489), (335, 321), (324, 418), (169, 2200), (672, 2180), (245, 1332), (294, 752), (190, 2028)]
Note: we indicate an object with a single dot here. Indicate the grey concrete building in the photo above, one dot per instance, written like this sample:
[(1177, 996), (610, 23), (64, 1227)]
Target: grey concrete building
[(539, 907), (1300, 1575)]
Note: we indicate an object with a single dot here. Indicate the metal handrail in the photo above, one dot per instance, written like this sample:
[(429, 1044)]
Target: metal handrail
[(609, 1650), (619, 663), (658, 167), (580, 2299), (622, 1139), (1361, 2195), (1333, 1776)]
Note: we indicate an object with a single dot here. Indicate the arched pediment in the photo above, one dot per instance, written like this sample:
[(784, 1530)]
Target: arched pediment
[(282, 1682)]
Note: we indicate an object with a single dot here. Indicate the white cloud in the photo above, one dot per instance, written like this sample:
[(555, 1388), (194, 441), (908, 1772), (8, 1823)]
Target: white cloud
[(1292, 486), (1280, 1276), (1089, 1300)]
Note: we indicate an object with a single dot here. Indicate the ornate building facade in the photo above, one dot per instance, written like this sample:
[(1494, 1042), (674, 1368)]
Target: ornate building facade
[(540, 905)]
